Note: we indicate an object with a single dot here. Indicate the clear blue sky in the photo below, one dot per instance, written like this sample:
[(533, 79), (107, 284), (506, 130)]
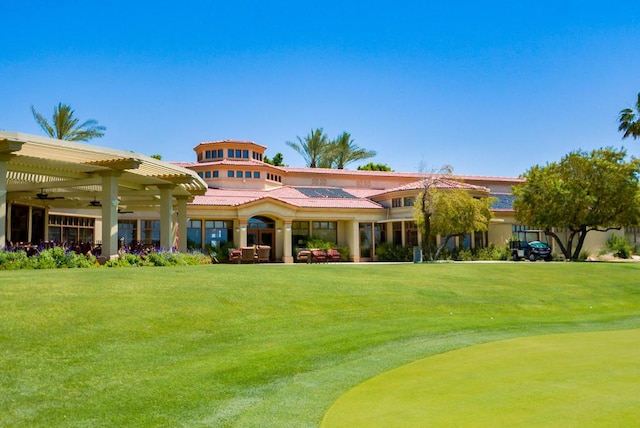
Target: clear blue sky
[(490, 88)]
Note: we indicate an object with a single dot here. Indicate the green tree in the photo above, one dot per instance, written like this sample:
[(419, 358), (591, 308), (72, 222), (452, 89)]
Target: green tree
[(65, 126), (343, 151), (156, 156), (277, 160), (448, 212), (313, 147), (374, 167), (584, 192), (630, 121)]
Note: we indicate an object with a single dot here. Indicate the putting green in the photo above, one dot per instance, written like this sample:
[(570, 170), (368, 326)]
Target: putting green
[(584, 379)]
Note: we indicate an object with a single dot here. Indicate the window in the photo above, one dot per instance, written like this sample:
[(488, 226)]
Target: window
[(207, 154), (214, 154), (215, 174), (150, 232), (396, 202), (71, 229), (397, 233), (238, 153), (465, 241), (299, 233), (200, 174), (217, 232), (366, 241), (247, 174), (230, 153), (207, 174), (220, 153), (325, 230), (230, 174), (194, 234), (260, 223), (411, 234), (408, 201), (256, 174), (245, 154), (380, 233), (128, 232), (479, 239), (239, 174)]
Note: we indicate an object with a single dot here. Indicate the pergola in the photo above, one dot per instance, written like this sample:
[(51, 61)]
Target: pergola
[(57, 174)]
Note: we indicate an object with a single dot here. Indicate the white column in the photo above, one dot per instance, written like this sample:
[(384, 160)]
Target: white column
[(287, 256), (353, 239), (182, 224), (3, 203), (109, 201), (166, 225)]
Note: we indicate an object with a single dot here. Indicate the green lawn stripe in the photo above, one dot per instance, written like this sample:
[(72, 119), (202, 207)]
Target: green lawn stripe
[(267, 345)]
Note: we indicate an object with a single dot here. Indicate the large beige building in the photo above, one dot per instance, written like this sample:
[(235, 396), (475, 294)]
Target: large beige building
[(56, 191)]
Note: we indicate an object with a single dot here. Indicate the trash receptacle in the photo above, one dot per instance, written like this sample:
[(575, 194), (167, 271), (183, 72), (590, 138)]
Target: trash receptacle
[(417, 254)]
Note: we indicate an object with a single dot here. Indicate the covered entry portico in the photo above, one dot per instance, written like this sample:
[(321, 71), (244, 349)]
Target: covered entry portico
[(44, 176)]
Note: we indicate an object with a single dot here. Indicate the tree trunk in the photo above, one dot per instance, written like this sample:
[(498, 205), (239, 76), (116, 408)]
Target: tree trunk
[(582, 234), (442, 245), (565, 252)]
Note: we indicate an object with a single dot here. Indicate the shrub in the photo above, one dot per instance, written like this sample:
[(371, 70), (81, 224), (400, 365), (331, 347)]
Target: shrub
[(491, 252), (320, 244), (388, 252), (465, 255), (619, 246), (13, 260)]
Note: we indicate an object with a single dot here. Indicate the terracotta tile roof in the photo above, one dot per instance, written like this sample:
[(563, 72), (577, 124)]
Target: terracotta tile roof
[(418, 175), (286, 194), (441, 183), (228, 162), (230, 142), (333, 171)]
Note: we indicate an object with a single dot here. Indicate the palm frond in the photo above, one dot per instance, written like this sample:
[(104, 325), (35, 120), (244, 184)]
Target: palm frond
[(44, 124), (65, 125)]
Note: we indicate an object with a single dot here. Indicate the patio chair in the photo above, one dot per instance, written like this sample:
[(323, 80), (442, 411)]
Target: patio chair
[(248, 255), (333, 255), (303, 256), (318, 256), (234, 255), (263, 253)]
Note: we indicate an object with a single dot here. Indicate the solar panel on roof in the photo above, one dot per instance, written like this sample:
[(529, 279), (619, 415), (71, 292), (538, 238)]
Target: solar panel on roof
[(503, 201), (325, 192)]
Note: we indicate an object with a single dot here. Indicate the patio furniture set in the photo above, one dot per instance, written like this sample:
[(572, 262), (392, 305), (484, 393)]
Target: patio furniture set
[(318, 256), (254, 254)]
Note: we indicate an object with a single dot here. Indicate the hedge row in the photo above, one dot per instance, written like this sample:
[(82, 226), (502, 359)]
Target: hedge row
[(56, 258)]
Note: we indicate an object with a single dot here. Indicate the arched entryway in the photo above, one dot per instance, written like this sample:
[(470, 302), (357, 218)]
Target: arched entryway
[(261, 231)]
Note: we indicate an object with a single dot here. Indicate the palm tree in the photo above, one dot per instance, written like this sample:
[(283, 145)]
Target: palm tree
[(343, 151), (65, 126), (312, 148), (630, 121)]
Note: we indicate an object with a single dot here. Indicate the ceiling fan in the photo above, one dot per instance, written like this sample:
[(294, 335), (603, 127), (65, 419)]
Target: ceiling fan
[(95, 203), (45, 196)]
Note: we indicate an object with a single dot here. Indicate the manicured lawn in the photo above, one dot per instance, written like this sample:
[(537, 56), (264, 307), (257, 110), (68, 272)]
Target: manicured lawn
[(267, 345)]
